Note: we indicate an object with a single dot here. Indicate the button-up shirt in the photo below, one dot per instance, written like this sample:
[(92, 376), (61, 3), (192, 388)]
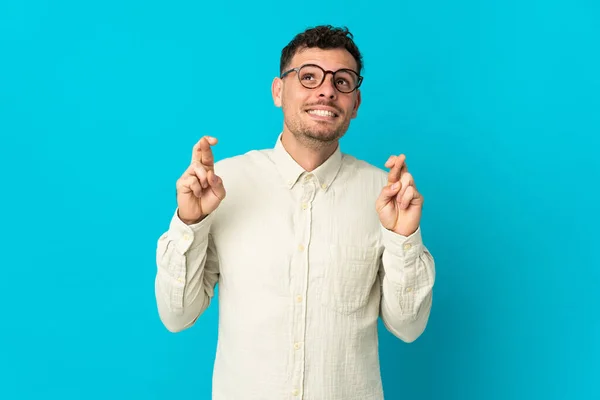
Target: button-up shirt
[(304, 269)]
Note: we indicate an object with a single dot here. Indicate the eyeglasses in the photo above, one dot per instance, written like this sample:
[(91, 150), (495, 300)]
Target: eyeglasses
[(311, 76)]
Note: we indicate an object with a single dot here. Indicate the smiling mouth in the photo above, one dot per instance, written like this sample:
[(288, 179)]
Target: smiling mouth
[(322, 113)]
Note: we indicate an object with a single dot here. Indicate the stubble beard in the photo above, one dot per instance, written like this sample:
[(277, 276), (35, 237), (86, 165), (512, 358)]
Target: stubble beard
[(319, 134)]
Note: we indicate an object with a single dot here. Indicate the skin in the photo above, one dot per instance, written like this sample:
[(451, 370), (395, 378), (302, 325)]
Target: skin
[(310, 140)]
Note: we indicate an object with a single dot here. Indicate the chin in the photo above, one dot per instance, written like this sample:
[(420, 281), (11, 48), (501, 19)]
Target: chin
[(323, 132), (324, 135)]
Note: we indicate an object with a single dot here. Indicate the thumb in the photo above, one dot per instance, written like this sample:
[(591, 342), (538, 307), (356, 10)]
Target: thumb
[(216, 184), (387, 193)]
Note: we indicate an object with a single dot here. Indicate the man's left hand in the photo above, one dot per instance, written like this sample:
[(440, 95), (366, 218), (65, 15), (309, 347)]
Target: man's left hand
[(400, 204)]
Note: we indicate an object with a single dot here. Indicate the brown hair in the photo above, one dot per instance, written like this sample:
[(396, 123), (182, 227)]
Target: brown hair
[(324, 37)]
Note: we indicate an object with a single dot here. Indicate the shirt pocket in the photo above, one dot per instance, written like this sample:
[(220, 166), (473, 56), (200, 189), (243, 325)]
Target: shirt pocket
[(349, 276)]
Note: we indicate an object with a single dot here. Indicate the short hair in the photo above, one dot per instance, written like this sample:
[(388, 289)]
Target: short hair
[(324, 37)]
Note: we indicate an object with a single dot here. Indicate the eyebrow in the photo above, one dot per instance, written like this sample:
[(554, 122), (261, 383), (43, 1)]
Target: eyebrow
[(319, 64)]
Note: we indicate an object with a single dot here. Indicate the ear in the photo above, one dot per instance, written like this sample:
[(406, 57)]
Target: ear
[(356, 103), (276, 91)]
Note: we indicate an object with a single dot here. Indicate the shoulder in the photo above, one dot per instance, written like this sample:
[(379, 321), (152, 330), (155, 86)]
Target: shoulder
[(242, 164), (363, 169)]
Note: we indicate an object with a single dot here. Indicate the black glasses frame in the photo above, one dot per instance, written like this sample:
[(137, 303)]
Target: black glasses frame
[(359, 78)]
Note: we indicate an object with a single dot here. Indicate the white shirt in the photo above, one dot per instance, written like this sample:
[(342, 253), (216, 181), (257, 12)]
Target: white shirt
[(305, 269)]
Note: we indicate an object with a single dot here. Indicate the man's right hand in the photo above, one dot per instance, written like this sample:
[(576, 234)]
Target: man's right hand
[(199, 190)]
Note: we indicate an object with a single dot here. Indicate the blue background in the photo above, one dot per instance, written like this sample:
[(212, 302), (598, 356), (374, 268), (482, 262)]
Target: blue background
[(496, 105)]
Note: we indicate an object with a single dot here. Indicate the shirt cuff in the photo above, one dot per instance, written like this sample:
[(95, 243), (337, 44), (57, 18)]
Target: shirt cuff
[(402, 246), (187, 237)]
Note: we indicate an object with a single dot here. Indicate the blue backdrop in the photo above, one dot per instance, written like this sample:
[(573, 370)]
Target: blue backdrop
[(496, 105)]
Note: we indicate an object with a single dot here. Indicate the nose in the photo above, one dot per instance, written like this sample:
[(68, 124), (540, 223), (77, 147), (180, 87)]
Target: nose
[(327, 89)]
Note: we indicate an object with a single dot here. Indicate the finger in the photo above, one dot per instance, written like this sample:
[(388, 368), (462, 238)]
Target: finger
[(200, 174), (411, 196), (208, 159), (216, 184), (406, 198), (388, 193), (196, 188), (196, 149), (407, 180), (196, 152), (189, 184), (394, 174), (202, 152), (390, 162)]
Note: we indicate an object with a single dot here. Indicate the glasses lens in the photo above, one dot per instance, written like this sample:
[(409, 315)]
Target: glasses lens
[(345, 81), (310, 76)]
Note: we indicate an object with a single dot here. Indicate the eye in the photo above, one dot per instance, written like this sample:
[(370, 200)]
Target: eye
[(307, 76), (345, 80)]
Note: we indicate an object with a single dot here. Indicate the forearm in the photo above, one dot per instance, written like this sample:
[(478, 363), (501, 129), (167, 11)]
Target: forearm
[(408, 275), (186, 274)]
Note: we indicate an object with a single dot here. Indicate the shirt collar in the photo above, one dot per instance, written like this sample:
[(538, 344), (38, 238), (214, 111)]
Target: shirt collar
[(290, 170)]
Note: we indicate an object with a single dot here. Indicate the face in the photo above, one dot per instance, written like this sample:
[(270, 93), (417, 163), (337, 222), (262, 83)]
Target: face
[(322, 115)]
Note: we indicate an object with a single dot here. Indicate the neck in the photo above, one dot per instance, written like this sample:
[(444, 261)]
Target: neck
[(307, 154)]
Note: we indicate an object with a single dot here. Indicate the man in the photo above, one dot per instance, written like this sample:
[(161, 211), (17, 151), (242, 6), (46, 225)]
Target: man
[(309, 245)]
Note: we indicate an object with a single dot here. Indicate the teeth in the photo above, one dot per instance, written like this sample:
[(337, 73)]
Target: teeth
[(321, 113)]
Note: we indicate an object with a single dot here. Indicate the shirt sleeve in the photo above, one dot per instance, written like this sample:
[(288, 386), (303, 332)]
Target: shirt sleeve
[(187, 272), (407, 274)]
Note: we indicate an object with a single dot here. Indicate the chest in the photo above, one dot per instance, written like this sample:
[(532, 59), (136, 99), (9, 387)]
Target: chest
[(273, 236)]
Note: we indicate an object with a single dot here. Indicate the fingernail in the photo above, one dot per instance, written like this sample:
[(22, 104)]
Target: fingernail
[(395, 186)]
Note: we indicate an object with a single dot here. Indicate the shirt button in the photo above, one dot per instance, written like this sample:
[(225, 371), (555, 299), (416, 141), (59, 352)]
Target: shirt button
[(300, 247), (323, 186), (186, 237), (299, 299), (304, 206), (297, 346), (307, 177), (295, 392), (408, 289), (407, 246)]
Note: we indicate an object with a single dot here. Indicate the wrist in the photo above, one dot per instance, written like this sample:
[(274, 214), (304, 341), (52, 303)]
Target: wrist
[(189, 221)]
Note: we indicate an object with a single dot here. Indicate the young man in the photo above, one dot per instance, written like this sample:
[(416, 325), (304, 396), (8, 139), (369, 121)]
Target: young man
[(309, 245)]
